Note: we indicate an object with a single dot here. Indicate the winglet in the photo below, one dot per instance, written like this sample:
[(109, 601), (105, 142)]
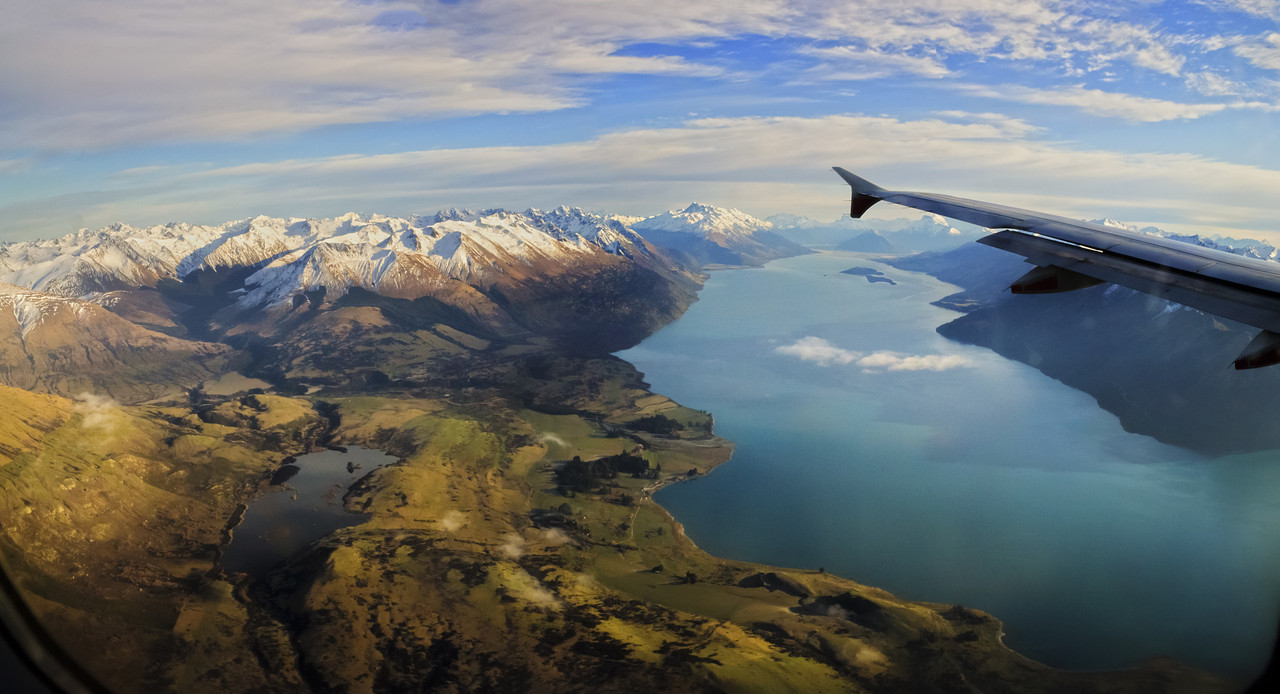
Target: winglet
[(865, 193)]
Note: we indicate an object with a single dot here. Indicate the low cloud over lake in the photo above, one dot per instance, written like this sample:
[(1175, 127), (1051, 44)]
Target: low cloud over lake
[(823, 353)]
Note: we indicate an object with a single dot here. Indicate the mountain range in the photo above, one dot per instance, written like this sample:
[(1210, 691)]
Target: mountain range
[(716, 236), (283, 297)]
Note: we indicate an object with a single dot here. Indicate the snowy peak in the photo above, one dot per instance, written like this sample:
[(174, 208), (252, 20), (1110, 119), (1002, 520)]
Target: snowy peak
[(706, 221), (1249, 248), (933, 224), (461, 215), (1109, 222), (716, 236), (31, 309), (407, 257), (574, 225)]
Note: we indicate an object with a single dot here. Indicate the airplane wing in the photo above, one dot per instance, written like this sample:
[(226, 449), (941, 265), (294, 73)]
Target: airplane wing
[(1071, 254)]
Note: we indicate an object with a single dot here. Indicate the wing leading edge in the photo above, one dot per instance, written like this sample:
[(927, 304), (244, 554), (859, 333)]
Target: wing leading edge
[(1070, 254)]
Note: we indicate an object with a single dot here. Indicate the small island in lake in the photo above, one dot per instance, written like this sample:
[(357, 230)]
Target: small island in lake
[(873, 275)]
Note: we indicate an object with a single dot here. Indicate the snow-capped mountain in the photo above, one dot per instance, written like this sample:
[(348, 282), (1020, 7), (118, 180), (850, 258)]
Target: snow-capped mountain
[(929, 232), (406, 259), (294, 298), (706, 221), (715, 235), (296, 256), (1250, 248)]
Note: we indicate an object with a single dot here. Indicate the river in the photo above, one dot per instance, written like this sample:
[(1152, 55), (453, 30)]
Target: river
[(872, 447)]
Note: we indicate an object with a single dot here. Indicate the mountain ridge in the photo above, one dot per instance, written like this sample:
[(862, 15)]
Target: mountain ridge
[(280, 291), (461, 244)]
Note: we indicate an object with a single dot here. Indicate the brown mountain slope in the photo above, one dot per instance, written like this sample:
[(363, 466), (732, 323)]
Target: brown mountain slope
[(66, 346)]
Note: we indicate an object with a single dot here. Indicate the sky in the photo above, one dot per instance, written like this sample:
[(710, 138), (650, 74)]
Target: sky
[(155, 111)]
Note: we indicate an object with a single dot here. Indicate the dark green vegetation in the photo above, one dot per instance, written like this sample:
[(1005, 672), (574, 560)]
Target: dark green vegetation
[(578, 475), (1164, 370), (513, 547)]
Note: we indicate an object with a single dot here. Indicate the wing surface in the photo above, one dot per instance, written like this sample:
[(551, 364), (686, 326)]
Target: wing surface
[(1070, 254)]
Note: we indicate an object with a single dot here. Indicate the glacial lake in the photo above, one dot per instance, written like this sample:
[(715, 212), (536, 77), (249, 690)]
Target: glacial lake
[(305, 506), (961, 477)]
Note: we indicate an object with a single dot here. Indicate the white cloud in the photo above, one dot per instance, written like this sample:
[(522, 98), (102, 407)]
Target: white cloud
[(1062, 33), (526, 587), (554, 537), (98, 412), (1213, 84), (98, 75), (759, 165), (1260, 8), (101, 74), (855, 63), (1013, 127), (819, 351), (1264, 54), (894, 361), (452, 521), (512, 546), (552, 439), (823, 353), (1096, 102)]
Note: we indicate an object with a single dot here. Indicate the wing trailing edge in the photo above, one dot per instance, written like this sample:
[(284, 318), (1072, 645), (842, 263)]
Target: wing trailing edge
[(1071, 254)]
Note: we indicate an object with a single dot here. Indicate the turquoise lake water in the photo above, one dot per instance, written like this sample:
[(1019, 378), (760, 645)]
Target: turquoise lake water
[(984, 483)]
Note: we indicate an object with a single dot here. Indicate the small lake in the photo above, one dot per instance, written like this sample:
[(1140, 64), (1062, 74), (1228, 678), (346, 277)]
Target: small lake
[(304, 505), (871, 446)]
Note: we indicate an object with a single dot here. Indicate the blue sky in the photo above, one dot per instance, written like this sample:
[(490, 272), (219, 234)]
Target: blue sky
[(153, 111)]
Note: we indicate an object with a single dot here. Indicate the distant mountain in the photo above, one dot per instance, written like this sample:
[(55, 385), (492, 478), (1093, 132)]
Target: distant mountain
[(717, 236), (930, 232), (1250, 248), (867, 242)]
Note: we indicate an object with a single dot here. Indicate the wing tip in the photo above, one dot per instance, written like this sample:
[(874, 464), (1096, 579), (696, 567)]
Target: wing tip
[(865, 193)]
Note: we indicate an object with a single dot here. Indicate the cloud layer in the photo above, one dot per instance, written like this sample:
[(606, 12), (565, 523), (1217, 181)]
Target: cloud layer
[(154, 111), (762, 165), (96, 74)]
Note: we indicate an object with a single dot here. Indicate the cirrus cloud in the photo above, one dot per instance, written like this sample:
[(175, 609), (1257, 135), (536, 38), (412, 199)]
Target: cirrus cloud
[(156, 71)]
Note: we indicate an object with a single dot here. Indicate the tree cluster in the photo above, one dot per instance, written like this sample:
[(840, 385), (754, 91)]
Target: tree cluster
[(588, 475), (657, 424)]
